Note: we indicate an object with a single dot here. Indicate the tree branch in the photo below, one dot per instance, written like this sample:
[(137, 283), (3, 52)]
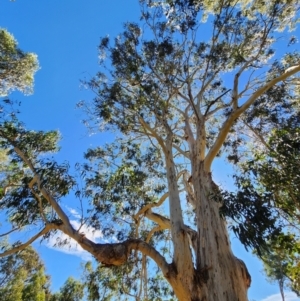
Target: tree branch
[(54, 204), (21, 247), (148, 250), (153, 133), (160, 202), (12, 230), (236, 113), (164, 223)]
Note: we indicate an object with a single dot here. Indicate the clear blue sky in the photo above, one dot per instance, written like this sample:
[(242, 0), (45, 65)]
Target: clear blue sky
[(65, 34)]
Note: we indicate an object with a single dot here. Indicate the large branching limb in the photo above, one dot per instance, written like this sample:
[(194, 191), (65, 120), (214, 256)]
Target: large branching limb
[(109, 254), (66, 226), (187, 179), (36, 179), (289, 72), (21, 247), (239, 111)]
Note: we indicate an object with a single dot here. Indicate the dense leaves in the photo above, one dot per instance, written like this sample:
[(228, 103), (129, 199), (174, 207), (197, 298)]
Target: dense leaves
[(17, 68), (21, 198), (22, 277), (273, 176)]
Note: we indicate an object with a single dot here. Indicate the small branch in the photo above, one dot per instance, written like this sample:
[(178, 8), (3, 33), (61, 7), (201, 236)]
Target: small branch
[(148, 250), (164, 224), (39, 202), (160, 202), (214, 101), (149, 206), (21, 247), (186, 154), (215, 110), (196, 111), (153, 133), (162, 221), (150, 234), (12, 230), (260, 137)]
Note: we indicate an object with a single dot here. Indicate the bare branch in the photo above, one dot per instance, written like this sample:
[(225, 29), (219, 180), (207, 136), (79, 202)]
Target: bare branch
[(162, 221), (12, 230)]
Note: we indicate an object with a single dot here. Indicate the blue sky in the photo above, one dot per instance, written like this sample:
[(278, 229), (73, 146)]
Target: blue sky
[(64, 35)]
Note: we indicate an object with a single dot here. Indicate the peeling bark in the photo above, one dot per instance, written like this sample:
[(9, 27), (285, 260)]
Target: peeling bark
[(221, 275)]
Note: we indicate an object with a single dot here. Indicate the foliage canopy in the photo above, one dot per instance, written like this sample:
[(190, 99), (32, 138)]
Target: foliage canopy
[(179, 93), (17, 68)]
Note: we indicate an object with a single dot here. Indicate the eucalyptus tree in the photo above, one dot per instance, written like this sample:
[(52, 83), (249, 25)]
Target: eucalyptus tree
[(72, 290), (22, 277), (17, 68), (178, 93)]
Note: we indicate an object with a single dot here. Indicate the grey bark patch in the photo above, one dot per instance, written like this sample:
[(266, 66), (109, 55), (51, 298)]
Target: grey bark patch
[(111, 254)]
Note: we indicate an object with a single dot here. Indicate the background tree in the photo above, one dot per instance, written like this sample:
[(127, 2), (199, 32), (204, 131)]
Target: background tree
[(22, 277), (72, 290), (17, 68), (273, 173), (177, 99)]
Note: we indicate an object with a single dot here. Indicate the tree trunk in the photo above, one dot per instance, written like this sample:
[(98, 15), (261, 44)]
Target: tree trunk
[(216, 275), (281, 286), (219, 275)]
